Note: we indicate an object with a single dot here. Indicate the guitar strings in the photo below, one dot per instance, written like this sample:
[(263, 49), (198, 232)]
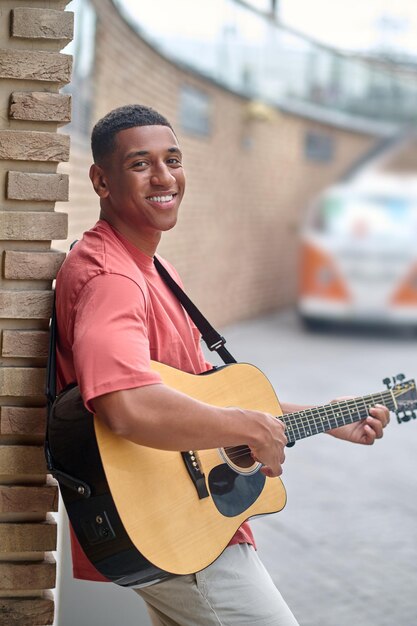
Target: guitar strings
[(300, 422), (344, 406), (336, 411), (301, 419), (344, 416)]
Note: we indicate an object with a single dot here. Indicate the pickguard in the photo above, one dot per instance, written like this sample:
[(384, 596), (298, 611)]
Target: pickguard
[(233, 493)]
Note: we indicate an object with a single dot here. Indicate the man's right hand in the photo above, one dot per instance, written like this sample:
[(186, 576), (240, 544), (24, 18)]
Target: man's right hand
[(270, 449)]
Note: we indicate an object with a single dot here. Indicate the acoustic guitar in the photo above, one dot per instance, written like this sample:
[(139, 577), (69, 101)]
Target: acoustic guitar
[(142, 514)]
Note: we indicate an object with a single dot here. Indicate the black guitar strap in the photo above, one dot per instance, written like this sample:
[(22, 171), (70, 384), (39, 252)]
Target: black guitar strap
[(214, 341)]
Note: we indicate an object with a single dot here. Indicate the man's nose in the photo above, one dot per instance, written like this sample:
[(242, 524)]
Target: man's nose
[(162, 175)]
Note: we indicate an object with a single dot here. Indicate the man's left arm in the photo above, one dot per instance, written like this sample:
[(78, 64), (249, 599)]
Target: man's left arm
[(365, 431)]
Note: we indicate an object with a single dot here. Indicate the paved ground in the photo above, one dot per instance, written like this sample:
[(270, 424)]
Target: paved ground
[(344, 550)]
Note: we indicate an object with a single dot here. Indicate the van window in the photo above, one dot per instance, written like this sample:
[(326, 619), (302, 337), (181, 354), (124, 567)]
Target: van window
[(362, 215)]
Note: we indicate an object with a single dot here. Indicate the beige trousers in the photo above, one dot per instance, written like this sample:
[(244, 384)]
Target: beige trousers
[(235, 590)]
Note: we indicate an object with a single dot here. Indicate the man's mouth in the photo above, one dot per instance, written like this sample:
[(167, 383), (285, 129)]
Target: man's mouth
[(162, 199)]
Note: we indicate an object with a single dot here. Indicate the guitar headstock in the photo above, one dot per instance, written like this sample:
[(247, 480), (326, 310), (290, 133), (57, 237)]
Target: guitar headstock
[(405, 394)]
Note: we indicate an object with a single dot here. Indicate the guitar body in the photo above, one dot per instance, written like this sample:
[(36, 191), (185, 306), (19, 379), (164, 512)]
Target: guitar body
[(142, 515), (145, 519), (174, 529)]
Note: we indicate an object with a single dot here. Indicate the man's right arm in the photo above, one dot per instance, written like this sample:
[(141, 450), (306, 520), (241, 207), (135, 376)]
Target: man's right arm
[(161, 417), (112, 364)]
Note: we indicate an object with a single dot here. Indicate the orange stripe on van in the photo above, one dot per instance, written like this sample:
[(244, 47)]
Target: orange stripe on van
[(314, 262), (406, 295)]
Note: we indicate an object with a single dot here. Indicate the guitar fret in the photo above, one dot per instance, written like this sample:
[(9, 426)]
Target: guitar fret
[(324, 416), (381, 398), (357, 410), (295, 425), (316, 424), (334, 422), (366, 410), (289, 431), (341, 420), (306, 430)]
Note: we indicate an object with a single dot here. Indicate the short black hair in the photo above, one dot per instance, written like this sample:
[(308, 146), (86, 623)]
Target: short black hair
[(128, 116)]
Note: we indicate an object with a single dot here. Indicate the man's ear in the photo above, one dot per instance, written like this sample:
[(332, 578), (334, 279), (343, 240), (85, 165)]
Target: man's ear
[(99, 181)]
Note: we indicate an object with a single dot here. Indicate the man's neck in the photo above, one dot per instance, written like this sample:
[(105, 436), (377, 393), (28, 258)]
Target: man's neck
[(145, 242)]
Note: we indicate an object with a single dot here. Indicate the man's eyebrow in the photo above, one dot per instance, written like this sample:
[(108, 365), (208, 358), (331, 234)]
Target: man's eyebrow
[(136, 153), (142, 153)]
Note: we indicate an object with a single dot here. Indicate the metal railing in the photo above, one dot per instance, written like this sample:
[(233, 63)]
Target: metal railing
[(252, 54)]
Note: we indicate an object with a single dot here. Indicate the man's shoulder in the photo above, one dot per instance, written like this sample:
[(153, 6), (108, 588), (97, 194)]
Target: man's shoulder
[(98, 252)]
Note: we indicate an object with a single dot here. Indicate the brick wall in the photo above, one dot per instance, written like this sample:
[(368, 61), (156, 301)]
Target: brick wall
[(31, 108), (248, 182)]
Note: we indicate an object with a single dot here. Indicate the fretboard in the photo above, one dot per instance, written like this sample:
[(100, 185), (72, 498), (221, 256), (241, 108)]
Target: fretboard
[(322, 418)]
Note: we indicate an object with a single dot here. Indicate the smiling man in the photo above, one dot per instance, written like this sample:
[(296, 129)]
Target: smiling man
[(140, 184), (115, 314)]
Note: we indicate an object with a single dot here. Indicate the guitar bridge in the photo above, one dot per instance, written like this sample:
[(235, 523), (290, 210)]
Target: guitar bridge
[(195, 473)]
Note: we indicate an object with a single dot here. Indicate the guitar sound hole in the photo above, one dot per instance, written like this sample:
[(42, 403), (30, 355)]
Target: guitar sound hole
[(240, 456)]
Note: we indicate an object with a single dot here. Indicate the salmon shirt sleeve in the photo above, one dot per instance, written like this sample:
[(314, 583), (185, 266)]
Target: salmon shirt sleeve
[(110, 343)]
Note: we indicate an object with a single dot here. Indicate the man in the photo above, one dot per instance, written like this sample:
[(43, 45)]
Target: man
[(114, 315)]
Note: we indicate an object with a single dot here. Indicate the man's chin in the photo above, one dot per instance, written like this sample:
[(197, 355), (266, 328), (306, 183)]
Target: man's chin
[(169, 224)]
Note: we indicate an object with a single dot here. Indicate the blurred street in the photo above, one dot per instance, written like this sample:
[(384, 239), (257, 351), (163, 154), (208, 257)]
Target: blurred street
[(344, 550)]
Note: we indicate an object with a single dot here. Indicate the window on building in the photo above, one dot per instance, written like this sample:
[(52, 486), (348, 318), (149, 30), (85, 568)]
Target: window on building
[(195, 110), (318, 146)]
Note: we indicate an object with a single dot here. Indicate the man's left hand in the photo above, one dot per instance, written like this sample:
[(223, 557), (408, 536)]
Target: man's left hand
[(367, 430)]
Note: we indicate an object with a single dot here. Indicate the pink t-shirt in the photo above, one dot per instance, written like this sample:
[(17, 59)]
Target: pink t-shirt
[(115, 314)]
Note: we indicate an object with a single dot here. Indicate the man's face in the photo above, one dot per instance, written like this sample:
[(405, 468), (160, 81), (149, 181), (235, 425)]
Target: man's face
[(144, 182)]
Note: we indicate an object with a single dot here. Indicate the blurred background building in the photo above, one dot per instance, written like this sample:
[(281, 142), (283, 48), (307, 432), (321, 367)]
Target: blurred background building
[(267, 118)]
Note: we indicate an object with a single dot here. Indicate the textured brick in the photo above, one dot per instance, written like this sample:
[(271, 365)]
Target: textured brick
[(22, 460), (22, 420), (25, 343), (37, 187), (40, 106), (31, 145), (35, 65), (29, 498), (31, 23), (22, 381), (27, 537), (33, 226), (26, 304), (26, 575), (27, 611), (32, 265)]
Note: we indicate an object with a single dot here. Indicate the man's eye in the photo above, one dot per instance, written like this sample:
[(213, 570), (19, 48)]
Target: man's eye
[(139, 164), (174, 161)]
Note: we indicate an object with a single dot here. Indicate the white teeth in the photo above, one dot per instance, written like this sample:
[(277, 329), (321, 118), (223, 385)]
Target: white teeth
[(161, 198)]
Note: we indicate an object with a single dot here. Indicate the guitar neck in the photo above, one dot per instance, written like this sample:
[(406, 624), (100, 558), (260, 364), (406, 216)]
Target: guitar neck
[(319, 419)]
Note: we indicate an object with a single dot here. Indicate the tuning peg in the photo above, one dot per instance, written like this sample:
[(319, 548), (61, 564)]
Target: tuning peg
[(400, 377), (401, 417), (387, 382), (405, 416)]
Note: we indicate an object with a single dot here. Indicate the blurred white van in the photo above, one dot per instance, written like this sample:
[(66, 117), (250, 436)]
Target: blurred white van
[(358, 253)]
